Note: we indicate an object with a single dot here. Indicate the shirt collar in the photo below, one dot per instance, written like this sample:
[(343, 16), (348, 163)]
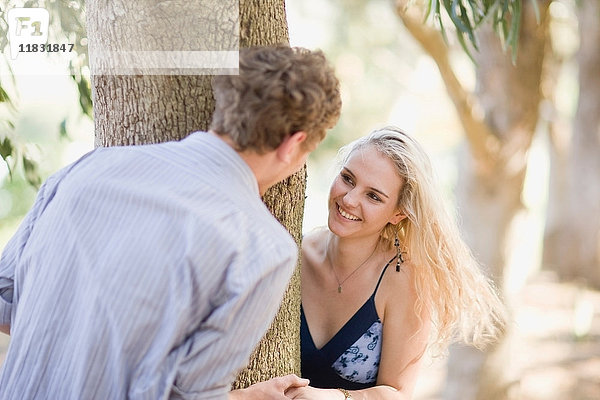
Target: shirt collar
[(218, 149)]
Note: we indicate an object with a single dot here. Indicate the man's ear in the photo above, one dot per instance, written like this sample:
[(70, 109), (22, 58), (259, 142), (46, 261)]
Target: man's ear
[(290, 146)]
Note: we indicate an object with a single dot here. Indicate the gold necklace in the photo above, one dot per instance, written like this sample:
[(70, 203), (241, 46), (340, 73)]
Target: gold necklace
[(352, 273)]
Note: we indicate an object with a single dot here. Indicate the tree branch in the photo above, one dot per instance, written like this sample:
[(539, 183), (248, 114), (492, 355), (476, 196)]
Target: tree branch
[(484, 144)]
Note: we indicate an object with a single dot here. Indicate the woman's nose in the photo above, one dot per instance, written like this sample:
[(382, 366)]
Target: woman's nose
[(351, 198)]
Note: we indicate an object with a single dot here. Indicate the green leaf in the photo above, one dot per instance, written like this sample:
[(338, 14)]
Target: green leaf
[(4, 97), (431, 5), (513, 37), (442, 29), (451, 9), (503, 32), (467, 22), (85, 96), (505, 8), (463, 43), (6, 148), (468, 15), (31, 172), (428, 9), (62, 129)]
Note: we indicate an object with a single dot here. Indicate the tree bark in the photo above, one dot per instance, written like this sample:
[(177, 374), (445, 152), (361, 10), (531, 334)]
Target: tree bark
[(489, 198), (140, 109), (263, 22), (559, 135), (147, 108), (572, 238), (499, 120)]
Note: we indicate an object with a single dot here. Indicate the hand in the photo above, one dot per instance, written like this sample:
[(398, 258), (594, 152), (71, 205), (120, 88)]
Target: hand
[(311, 393), (273, 389)]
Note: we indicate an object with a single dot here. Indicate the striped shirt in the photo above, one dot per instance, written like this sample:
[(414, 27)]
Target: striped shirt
[(143, 272)]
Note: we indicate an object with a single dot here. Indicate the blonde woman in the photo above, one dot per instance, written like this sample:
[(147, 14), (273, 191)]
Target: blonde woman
[(389, 278)]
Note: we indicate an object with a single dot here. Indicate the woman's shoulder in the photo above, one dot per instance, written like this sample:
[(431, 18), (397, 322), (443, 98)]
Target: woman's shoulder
[(399, 281), (314, 247), (315, 240)]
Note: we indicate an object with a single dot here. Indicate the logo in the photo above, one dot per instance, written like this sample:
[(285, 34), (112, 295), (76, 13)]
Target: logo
[(27, 29)]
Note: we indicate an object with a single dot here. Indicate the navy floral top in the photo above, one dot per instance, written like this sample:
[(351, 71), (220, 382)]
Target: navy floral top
[(349, 360)]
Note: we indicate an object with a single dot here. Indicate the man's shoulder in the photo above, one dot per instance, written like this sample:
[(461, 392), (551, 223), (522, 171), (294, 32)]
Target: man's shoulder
[(260, 226)]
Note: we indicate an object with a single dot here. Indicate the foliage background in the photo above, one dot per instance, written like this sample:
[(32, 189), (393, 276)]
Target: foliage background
[(386, 79)]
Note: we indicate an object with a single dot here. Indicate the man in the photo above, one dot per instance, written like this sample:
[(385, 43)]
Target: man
[(151, 272)]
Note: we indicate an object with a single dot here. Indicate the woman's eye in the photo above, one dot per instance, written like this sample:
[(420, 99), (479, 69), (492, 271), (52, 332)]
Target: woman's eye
[(374, 197), (347, 178)]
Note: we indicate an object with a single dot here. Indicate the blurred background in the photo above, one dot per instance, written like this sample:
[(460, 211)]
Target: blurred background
[(515, 146)]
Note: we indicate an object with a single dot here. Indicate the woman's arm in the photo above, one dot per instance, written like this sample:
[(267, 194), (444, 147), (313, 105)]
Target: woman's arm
[(405, 337)]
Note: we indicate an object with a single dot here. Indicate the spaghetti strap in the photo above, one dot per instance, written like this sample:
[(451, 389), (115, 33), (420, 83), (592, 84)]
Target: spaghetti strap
[(383, 272)]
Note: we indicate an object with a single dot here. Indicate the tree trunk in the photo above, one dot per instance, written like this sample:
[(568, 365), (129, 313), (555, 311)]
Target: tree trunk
[(146, 108), (489, 192), (572, 243), (499, 121), (263, 22), (140, 109), (559, 135)]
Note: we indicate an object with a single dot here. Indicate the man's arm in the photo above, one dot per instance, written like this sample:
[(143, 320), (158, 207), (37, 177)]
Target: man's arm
[(12, 252), (224, 341)]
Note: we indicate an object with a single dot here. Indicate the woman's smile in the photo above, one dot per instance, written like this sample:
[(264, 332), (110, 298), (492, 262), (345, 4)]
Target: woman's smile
[(347, 215)]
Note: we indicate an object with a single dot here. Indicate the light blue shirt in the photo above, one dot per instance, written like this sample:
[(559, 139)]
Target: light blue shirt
[(146, 272)]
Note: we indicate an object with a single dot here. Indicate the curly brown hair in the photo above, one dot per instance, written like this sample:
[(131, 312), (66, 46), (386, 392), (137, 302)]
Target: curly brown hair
[(279, 91)]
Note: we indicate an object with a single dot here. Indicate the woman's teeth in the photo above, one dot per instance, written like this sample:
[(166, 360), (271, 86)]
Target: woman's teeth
[(346, 215)]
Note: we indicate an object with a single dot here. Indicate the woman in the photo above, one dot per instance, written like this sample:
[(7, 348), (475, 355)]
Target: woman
[(389, 278)]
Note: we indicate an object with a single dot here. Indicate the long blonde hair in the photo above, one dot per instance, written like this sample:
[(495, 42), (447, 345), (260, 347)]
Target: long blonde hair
[(461, 301)]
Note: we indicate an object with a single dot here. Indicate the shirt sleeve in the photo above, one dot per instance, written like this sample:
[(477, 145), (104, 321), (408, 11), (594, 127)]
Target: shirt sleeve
[(14, 248), (224, 342)]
